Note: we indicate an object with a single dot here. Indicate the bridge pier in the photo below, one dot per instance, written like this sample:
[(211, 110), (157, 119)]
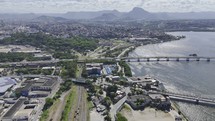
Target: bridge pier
[(158, 59), (197, 101), (177, 59), (167, 59)]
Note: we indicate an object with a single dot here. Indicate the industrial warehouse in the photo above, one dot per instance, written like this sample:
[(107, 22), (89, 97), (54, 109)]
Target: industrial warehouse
[(23, 98)]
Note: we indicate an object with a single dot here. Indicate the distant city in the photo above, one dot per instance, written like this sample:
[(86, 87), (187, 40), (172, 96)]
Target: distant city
[(94, 66)]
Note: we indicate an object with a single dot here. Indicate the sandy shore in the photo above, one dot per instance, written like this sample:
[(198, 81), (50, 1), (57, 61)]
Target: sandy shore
[(149, 114)]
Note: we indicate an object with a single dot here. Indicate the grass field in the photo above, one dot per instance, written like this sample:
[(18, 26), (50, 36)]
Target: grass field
[(49, 111), (70, 101)]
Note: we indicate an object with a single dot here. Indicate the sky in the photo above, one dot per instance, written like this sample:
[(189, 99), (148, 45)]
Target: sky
[(63, 6)]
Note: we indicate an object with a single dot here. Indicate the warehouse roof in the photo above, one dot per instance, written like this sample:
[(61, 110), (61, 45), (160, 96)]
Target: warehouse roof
[(6, 83), (14, 108)]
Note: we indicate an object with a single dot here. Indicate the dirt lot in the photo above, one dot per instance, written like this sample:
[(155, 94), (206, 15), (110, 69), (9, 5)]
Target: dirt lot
[(18, 48), (149, 114)]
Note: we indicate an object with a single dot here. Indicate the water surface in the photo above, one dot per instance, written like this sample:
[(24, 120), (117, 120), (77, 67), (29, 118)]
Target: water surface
[(196, 78)]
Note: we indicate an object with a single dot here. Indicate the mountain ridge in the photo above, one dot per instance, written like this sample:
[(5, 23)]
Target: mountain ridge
[(110, 15)]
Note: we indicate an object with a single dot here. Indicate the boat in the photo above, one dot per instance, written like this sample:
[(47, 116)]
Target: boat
[(194, 55)]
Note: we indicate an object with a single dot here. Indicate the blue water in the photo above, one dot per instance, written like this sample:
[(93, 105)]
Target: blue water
[(196, 78)]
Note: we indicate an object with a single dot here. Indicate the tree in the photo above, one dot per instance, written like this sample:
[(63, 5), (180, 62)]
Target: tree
[(126, 67), (49, 103), (100, 92), (111, 91), (107, 102), (84, 72), (129, 94), (94, 79), (107, 118), (120, 117), (91, 86)]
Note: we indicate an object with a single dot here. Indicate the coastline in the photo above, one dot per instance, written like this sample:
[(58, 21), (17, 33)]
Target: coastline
[(174, 105)]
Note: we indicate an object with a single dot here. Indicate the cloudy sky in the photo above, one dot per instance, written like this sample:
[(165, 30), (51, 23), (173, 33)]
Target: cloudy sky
[(62, 6)]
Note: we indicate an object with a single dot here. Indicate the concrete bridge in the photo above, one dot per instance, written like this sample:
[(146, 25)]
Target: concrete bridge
[(127, 59), (167, 58), (189, 98)]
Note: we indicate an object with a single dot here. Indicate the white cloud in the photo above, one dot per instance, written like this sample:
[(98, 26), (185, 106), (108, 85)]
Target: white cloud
[(48, 6)]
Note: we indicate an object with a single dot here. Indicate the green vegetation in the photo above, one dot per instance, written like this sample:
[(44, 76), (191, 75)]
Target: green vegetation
[(48, 104), (17, 57), (32, 58), (127, 52), (104, 61), (126, 107), (90, 106), (84, 72), (28, 71), (44, 115), (14, 57), (47, 71), (101, 92), (135, 91), (50, 101), (69, 69), (69, 102), (107, 102), (91, 87), (107, 118), (50, 43), (64, 55), (120, 117), (111, 91), (139, 102), (79, 70), (34, 71), (115, 52), (126, 67), (63, 88)]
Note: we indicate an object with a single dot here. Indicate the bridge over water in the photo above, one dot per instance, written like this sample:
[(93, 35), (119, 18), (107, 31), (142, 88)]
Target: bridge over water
[(188, 98), (167, 58), (127, 59)]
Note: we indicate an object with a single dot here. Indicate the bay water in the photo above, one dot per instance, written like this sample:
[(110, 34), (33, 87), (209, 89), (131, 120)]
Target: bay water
[(194, 78)]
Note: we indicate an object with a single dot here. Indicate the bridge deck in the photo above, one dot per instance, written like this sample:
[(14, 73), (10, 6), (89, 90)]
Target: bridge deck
[(189, 98), (136, 59), (173, 57)]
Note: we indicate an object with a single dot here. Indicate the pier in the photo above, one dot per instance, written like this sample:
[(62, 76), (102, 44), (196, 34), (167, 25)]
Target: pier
[(188, 98)]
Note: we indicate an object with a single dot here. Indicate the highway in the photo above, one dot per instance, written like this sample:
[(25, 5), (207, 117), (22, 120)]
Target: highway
[(132, 59), (124, 51)]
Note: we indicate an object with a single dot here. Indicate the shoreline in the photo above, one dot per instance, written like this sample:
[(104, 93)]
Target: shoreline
[(174, 105)]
